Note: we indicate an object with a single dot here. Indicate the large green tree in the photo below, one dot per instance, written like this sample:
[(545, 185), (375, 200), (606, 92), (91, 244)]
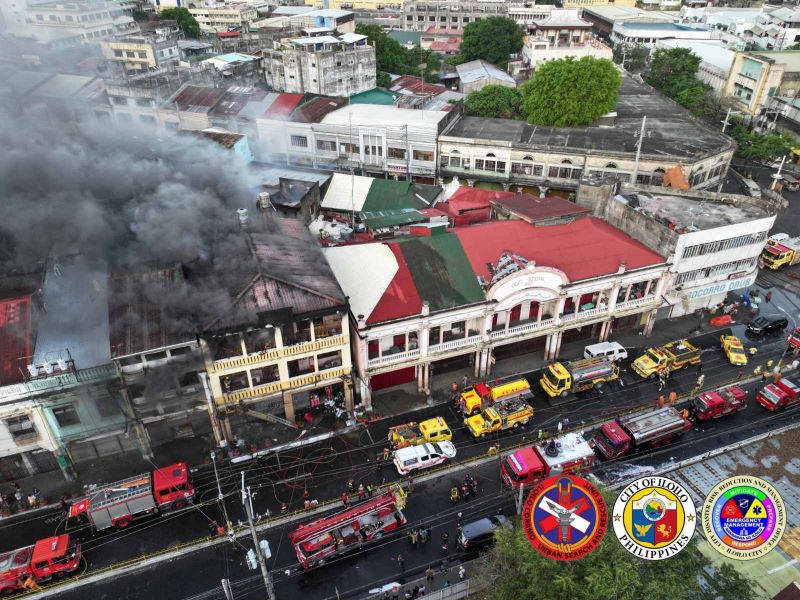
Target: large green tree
[(634, 56), (392, 57), (764, 147), (495, 101), (672, 69), (492, 40), (570, 92), (186, 21), (517, 571)]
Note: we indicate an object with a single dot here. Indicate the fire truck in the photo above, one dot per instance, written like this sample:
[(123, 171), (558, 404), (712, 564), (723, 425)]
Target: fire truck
[(779, 395), (569, 453), (328, 537), (504, 415), (412, 434), (670, 357), (119, 504), (578, 376), (628, 434), (474, 399), (781, 252), (794, 339), (719, 403), (54, 557)]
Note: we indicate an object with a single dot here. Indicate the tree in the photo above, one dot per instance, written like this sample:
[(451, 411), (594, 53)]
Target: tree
[(492, 40), (765, 147), (517, 571), (185, 20), (433, 64), (383, 79), (635, 56), (390, 56), (495, 101), (139, 15), (671, 69), (570, 92)]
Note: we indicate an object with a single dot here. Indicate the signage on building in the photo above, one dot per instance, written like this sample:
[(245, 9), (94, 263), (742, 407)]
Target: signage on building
[(721, 287), (400, 168)]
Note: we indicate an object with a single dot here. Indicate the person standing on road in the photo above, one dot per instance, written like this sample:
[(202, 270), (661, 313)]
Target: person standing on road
[(673, 396), (462, 572), (566, 422), (423, 535), (661, 381), (560, 427), (361, 492), (344, 499), (740, 374), (429, 531), (465, 382), (699, 368), (430, 574), (661, 401), (701, 380)]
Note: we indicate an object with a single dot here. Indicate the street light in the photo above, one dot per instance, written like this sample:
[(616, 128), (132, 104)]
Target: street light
[(777, 176)]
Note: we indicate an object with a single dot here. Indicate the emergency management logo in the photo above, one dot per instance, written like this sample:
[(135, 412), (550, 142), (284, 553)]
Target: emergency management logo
[(654, 518), (744, 517), (564, 517)]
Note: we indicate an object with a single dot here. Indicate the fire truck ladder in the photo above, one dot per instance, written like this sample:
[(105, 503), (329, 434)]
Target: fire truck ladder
[(268, 417), (117, 491)]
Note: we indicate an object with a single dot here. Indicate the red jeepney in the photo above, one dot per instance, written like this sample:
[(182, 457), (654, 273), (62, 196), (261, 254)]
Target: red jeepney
[(777, 396), (324, 538), (794, 339), (118, 504), (569, 453), (712, 405), (49, 558)]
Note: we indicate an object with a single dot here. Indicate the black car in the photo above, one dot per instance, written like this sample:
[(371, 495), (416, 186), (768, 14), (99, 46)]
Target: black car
[(480, 534), (762, 325)]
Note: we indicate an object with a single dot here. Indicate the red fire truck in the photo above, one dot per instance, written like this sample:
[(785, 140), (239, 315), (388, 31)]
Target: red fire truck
[(777, 396), (569, 453), (325, 538), (712, 405), (119, 504), (794, 338), (54, 557), (626, 434)]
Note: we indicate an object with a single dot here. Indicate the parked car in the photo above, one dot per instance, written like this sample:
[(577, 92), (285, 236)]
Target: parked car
[(412, 458), (751, 188), (733, 349), (479, 535), (611, 350), (767, 324)]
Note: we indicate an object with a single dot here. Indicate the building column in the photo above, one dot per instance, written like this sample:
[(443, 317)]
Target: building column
[(557, 349), (420, 379), (366, 394), (506, 186), (426, 375), (543, 191), (478, 360), (647, 288), (605, 332), (525, 311), (349, 405), (539, 312), (30, 466), (651, 319), (213, 414), (288, 406), (548, 346)]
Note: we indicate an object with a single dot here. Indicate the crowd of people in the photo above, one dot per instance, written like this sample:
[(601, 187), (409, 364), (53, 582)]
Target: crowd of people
[(16, 500)]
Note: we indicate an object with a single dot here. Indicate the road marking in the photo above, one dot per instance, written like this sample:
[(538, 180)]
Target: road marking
[(791, 563)]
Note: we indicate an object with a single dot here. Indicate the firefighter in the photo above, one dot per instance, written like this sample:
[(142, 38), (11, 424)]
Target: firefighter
[(661, 400), (30, 584), (361, 491), (454, 389), (344, 499), (673, 397), (454, 495), (351, 486)]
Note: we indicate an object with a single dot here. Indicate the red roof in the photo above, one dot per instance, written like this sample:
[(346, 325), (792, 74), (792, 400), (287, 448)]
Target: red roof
[(534, 209), (15, 338), (400, 298), (471, 205), (447, 46), (283, 105), (50, 548), (228, 34), (582, 249), (415, 85), (433, 212)]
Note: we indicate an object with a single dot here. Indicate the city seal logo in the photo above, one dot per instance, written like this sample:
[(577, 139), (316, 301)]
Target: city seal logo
[(654, 518), (743, 517), (565, 517)]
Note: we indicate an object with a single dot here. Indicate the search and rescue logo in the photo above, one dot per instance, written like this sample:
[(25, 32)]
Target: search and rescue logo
[(565, 517), (654, 518), (744, 517)]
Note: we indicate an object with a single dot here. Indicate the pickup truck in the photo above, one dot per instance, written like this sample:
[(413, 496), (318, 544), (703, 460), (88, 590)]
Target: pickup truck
[(671, 357)]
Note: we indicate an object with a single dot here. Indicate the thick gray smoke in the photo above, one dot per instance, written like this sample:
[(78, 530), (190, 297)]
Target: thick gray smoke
[(128, 199)]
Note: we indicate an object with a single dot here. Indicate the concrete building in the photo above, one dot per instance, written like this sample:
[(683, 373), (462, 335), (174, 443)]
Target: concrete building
[(648, 34), (582, 4), (712, 241), (467, 297), (563, 27), (778, 29), (142, 52), (755, 77), (539, 50), (323, 64), (340, 21), (77, 22), (605, 18), (442, 41), (224, 17), (500, 152), (715, 60), (477, 74), (418, 15)]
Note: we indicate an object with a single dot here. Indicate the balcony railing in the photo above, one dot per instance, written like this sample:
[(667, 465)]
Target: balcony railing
[(275, 353), (393, 358), (457, 343), (278, 386)]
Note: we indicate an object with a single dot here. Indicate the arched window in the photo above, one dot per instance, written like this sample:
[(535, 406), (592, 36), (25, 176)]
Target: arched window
[(659, 170), (566, 161), (454, 152), (527, 157), (611, 166), (490, 155)]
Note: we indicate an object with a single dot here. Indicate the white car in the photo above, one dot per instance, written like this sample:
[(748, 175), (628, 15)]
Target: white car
[(610, 350), (422, 456)]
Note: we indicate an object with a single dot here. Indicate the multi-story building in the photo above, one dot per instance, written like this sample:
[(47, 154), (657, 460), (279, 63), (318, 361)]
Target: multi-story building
[(285, 340), (509, 152), (356, 5), (143, 52), (777, 29), (224, 17), (419, 15), (539, 50), (480, 293), (563, 26), (715, 59), (325, 64), (712, 241), (341, 21), (647, 34), (605, 18), (368, 138), (80, 21), (755, 77)]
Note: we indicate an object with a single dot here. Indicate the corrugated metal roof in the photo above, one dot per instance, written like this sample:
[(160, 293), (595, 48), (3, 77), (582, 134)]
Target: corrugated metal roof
[(193, 97), (347, 192), (534, 209), (391, 218), (283, 105), (317, 109), (475, 70), (376, 265)]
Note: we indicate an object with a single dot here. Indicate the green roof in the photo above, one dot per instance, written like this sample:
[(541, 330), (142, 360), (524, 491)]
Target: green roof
[(390, 218), (405, 36), (441, 271), (388, 194), (374, 96)]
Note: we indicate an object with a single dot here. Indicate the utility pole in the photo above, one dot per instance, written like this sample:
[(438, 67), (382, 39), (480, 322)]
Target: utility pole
[(221, 496), (226, 588), (247, 501), (777, 175), (638, 151)]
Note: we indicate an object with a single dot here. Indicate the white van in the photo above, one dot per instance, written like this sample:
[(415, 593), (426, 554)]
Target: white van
[(610, 350), (422, 456), (751, 187)]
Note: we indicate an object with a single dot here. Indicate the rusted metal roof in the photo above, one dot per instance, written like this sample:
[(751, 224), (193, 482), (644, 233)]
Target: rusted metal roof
[(195, 98), (226, 139), (315, 110)]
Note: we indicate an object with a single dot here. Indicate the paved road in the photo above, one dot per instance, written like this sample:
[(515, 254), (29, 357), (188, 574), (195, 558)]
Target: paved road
[(197, 575)]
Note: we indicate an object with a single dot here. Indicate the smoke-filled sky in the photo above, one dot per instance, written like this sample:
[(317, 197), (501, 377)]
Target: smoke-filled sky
[(125, 198)]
